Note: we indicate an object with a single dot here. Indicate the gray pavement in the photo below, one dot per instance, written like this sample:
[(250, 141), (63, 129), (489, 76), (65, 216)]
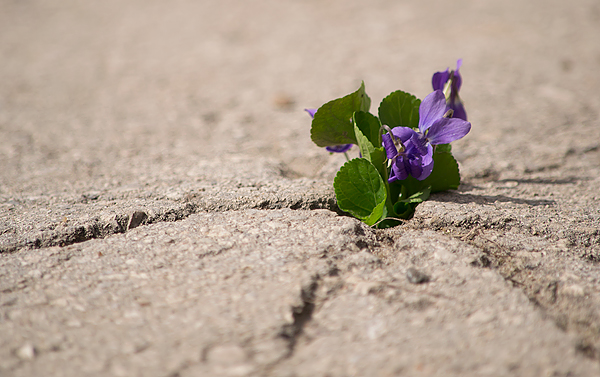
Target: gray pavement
[(163, 211)]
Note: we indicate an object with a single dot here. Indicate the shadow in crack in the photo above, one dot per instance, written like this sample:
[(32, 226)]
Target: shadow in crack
[(547, 181), (302, 314), (458, 197), (467, 186)]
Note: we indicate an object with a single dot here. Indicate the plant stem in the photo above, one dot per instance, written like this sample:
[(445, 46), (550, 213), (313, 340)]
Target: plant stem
[(388, 200)]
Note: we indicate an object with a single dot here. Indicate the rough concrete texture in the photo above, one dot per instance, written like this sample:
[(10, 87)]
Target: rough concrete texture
[(163, 211)]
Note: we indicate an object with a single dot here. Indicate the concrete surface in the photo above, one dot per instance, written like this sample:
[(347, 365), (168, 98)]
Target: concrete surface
[(163, 211)]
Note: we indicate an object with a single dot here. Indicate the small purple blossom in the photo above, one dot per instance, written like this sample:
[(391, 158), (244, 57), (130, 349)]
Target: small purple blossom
[(434, 124), (450, 82), (408, 154), (342, 148), (311, 112), (339, 148), (411, 152)]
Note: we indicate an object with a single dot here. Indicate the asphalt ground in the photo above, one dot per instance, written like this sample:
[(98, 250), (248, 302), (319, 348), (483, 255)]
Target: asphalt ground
[(164, 212)]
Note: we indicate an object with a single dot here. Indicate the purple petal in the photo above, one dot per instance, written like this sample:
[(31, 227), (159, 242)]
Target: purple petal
[(458, 108), (426, 164), (454, 101), (440, 79), (446, 130), (392, 177), (414, 165), (404, 133), (428, 156), (398, 171), (311, 112), (457, 78), (339, 148), (388, 144), (432, 108), (417, 145), (425, 172)]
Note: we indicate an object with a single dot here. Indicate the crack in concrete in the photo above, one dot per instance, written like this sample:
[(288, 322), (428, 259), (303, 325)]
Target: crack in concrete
[(291, 332), (545, 296), (302, 314), (98, 228)]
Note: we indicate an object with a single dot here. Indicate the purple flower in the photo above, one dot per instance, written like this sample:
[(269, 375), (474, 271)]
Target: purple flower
[(339, 148), (411, 152), (311, 112), (408, 153), (434, 124), (334, 148), (449, 82)]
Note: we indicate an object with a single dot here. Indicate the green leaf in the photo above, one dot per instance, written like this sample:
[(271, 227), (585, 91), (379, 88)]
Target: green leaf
[(332, 123), (369, 126), (360, 190), (400, 109), (405, 208), (445, 174), (418, 197), (443, 148), (379, 159)]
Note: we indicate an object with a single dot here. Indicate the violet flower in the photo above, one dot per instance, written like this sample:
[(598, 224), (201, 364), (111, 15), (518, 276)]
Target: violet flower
[(435, 124), (411, 152), (342, 148), (404, 148), (449, 82)]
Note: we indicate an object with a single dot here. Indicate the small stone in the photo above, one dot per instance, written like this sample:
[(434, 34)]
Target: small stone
[(93, 195), (283, 101), (26, 352), (574, 290), (415, 276), (481, 316), (136, 219), (90, 196)]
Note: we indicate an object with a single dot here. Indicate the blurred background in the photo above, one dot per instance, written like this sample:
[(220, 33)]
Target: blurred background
[(102, 94)]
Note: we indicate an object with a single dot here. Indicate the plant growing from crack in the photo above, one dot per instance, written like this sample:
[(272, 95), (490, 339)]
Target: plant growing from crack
[(405, 152)]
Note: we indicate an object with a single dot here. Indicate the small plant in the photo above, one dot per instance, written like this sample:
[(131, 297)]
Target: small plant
[(405, 152)]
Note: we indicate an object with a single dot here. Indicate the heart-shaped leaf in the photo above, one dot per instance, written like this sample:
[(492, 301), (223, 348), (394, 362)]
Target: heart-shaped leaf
[(400, 109), (332, 124), (360, 190)]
